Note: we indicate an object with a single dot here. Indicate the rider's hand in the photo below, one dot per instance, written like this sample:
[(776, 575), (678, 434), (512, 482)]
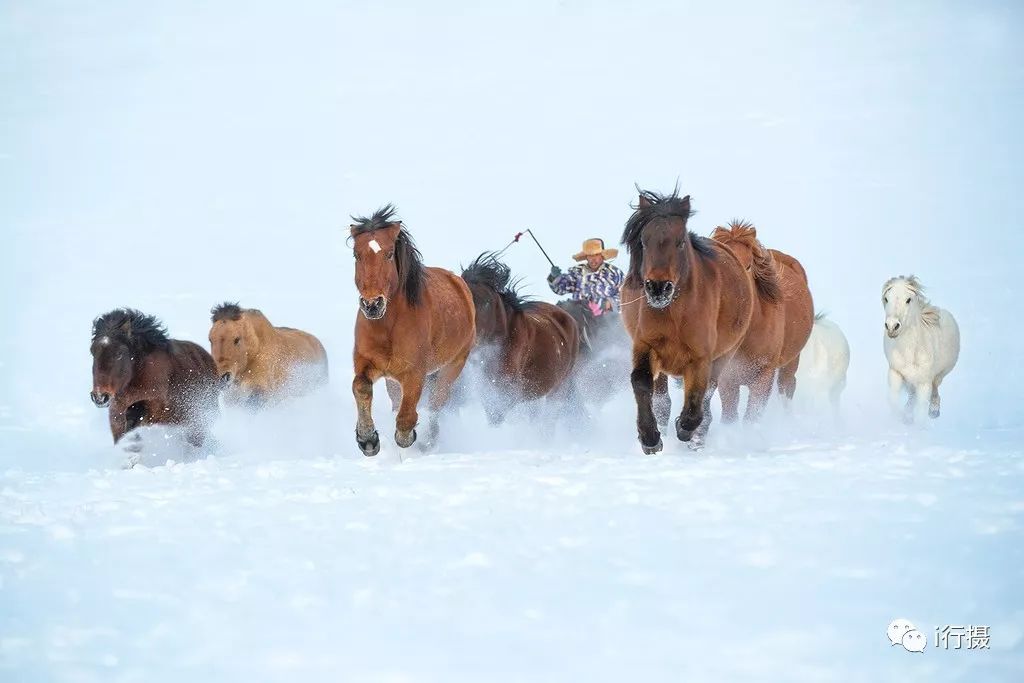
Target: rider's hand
[(555, 272)]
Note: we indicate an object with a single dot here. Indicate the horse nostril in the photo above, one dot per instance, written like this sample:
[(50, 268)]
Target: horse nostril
[(100, 399)]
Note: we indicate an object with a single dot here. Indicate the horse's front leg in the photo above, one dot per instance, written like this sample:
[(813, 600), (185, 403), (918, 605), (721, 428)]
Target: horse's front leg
[(642, 379), (405, 421), (362, 389), (895, 391), (923, 399), (695, 379)]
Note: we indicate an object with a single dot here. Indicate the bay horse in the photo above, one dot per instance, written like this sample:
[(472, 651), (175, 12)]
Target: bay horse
[(260, 363), (413, 321), (530, 346), (780, 324), (922, 345), (686, 303), (143, 377)]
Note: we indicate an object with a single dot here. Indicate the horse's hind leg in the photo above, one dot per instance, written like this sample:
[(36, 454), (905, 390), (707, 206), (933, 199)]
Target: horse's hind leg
[(787, 381), (366, 433), (934, 404), (440, 393), (760, 392), (729, 393), (662, 402), (394, 393)]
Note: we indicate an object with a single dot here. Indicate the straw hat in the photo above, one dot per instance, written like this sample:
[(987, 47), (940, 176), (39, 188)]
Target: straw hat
[(593, 247)]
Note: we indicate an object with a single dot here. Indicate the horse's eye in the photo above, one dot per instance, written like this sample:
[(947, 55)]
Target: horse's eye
[(885, 299), (237, 339), (391, 256), (908, 299)]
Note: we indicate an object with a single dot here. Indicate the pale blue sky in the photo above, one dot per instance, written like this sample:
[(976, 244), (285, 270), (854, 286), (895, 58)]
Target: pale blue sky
[(168, 155)]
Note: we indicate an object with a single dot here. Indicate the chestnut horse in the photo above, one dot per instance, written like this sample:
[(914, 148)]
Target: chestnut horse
[(414, 321), (779, 327), (261, 363), (686, 303), (144, 377), (530, 347)]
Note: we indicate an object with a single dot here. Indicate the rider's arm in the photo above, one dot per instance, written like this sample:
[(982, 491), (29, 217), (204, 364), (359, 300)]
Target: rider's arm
[(566, 283)]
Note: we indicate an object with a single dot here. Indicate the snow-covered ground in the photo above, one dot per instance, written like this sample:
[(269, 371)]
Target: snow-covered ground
[(768, 557), (169, 156)]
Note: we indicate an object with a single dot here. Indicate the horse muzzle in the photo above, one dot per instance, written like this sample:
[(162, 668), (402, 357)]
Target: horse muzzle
[(659, 293), (893, 330), (100, 398), (373, 309), (225, 379)]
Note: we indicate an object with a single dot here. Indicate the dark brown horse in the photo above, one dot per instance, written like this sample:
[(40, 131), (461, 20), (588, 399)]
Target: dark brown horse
[(414, 321), (686, 303), (529, 347), (144, 377), (779, 327)]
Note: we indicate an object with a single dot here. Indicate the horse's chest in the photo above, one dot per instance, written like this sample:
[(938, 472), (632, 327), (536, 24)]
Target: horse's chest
[(913, 361)]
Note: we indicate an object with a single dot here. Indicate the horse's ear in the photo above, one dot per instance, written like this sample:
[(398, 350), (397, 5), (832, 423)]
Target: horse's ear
[(644, 202), (126, 327), (353, 229), (686, 203)]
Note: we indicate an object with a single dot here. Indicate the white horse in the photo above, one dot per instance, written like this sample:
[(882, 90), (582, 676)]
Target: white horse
[(824, 361), (922, 344)]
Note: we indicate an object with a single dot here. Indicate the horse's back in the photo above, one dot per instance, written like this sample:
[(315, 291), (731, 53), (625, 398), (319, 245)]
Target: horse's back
[(304, 346), (825, 357)]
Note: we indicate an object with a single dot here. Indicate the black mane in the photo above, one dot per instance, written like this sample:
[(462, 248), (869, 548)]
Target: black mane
[(488, 271), (138, 330), (226, 311), (381, 218), (408, 259), (659, 206)]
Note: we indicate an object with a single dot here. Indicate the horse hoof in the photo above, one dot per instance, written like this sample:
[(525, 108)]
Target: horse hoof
[(369, 446), (686, 428), (729, 419), (405, 440), (696, 443), (933, 413), (651, 450)]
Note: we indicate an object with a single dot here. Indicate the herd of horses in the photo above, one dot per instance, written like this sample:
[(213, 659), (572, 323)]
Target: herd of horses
[(718, 313)]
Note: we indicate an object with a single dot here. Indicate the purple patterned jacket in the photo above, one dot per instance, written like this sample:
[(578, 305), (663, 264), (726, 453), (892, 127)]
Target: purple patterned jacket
[(590, 286)]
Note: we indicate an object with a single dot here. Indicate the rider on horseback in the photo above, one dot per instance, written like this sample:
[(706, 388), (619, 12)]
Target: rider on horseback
[(595, 283)]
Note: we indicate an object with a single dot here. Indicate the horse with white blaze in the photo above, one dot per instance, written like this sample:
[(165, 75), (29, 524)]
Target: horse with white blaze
[(922, 344)]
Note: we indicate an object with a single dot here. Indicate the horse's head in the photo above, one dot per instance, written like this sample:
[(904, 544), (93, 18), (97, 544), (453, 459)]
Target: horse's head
[(232, 341), (119, 339), (494, 296), (387, 262), (902, 299), (659, 246)]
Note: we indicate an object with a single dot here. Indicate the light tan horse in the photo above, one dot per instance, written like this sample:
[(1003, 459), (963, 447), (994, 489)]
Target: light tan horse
[(782, 317), (260, 363)]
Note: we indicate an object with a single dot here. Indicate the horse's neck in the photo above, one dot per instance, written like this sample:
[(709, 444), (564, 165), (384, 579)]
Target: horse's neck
[(265, 334)]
